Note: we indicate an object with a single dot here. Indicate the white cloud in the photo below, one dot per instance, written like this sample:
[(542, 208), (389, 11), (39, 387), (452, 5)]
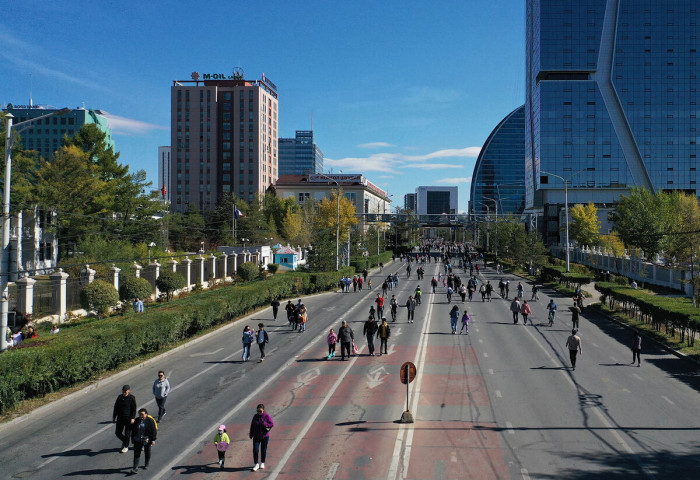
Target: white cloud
[(129, 126), (393, 162), (376, 145), (454, 180), (433, 166)]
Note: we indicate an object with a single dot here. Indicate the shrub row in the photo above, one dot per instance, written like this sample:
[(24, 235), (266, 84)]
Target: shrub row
[(559, 273), (672, 313), (84, 350), (362, 263)]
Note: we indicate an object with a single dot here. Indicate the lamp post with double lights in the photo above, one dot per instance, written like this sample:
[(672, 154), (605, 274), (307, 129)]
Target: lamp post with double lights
[(566, 210), (488, 230), (337, 221), (5, 264)]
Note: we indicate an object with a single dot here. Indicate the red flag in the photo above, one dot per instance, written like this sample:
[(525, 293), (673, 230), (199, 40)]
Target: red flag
[(164, 190)]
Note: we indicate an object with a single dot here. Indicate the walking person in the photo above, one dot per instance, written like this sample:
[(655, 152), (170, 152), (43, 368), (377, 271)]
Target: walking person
[(370, 330), (123, 415), (260, 428), (383, 333), (573, 343), (525, 310), (346, 337), (575, 314), (143, 433), (465, 323), (394, 306), (332, 339), (291, 312), (410, 308), (535, 295), (489, 290), (637, 348), (454, 318), (248, 338), (261, 338), (221, 442), (161, 389), (515, 309), (482, 291), (449, 294), (380, 306), (275, 307)]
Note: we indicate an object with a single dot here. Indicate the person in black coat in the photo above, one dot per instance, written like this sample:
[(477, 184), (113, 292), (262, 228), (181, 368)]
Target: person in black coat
[(275, 307), (144, 432), (123, 415)]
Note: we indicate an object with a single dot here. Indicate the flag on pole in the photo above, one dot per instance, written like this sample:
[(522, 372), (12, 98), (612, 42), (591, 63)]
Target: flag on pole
[(237, 213)]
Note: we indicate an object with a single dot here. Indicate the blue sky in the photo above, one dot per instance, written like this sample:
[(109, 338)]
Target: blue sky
[(405, 92)]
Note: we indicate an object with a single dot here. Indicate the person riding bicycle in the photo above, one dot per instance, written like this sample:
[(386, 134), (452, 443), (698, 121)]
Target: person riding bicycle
[(552, 307), (394, 304), (417, 294)]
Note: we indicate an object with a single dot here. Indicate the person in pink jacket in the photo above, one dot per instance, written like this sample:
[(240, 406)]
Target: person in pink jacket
[(332, 340), (525, 311)]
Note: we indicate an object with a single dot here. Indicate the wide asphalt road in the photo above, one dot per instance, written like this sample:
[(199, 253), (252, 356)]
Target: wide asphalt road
[(500, 402)]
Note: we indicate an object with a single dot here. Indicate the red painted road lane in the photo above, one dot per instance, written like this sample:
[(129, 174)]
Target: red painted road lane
[(456, 451), (462, 355), (453, 390)]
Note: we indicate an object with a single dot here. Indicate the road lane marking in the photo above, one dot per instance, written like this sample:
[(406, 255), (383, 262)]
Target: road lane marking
[(637, 376), (613, 359), (509, 426), (404, 437), (206, 354), (594, 344), (490, 371), (498, 393), (332, 470), (308, 375), (374, 377), (481, 341), (486, 355), (525, 474), (667, 399)]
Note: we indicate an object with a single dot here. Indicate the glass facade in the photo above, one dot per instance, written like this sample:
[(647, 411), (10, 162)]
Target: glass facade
[(438, 203), (500, 168), (300, 155), (611, 97)]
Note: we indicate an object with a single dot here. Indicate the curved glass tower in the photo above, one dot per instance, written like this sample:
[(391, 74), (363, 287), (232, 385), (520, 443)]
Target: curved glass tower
[(500, 168)]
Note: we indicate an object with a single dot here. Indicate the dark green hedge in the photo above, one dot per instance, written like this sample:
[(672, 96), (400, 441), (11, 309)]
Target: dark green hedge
[(361, 263), (82, 351), (673, 313)]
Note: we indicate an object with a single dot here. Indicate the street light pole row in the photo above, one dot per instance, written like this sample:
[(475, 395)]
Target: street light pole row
[(566, 211)]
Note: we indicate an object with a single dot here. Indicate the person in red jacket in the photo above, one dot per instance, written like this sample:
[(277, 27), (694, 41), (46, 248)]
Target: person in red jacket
[(380, 306)]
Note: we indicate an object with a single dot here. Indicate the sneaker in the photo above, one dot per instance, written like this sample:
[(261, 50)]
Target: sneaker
[(262, 465), (145, 467), (328, 358), (134, 471), (255, 468), (124, 449)]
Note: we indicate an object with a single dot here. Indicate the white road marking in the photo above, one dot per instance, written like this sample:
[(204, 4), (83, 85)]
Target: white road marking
[(481, 341), (374, 377), (509, 426), (397, 332), (490, 371), (486, 355), (308, 375), (667, 399), (637, 376), (331, 471), (594, 344), (390, 350), (613, 359), (498, 393), (206, 354), (525, 474), (626, 391)]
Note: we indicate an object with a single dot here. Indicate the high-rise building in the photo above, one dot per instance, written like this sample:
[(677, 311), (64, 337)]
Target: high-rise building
[(45, 136), (409, 202), (499, 171), (611, 101), (436, 200), (224, 138), (164, 173), (300, 155)]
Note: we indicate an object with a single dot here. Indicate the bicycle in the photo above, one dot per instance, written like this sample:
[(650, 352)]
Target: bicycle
[(551, 316)]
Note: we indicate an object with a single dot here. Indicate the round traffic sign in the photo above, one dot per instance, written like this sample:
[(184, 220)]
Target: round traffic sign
[(407, 372)]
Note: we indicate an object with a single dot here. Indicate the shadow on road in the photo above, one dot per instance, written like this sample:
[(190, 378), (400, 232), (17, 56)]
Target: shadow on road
[(100, 472), (83, 452)]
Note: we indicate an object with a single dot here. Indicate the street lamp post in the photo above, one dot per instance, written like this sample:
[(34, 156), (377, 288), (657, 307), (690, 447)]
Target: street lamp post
[(566, 212), (5, 264), (337, 222), (495, 204)]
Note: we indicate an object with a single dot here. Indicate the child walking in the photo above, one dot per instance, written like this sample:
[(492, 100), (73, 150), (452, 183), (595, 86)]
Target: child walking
[(332, 340), (221, 442), (465, 323)]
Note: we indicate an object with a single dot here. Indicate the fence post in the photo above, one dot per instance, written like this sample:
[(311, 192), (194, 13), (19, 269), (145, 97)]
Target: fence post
[(224, 263), (58, 280), (173, 264), (188, 273), (87, 275), (154, 273), (25, 295), (212, 270), (137, 270), (115, 276), (199, 270), (234, 256)]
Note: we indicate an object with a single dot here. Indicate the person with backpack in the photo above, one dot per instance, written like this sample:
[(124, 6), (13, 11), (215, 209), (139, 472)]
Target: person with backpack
[(454, 318), (261, 339), (275, 307), (465, 323), (248, 338), (144, 431)]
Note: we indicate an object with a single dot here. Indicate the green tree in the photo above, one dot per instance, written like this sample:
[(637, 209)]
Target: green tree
[(169, 282), (99, 296), (185, 231), (134, 287), (642, 220), (585, 226), (248, 271)]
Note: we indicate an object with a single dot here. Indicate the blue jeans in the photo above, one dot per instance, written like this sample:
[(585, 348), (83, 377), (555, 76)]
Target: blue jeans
[(260, 445), (246, 351), (453, 323)]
